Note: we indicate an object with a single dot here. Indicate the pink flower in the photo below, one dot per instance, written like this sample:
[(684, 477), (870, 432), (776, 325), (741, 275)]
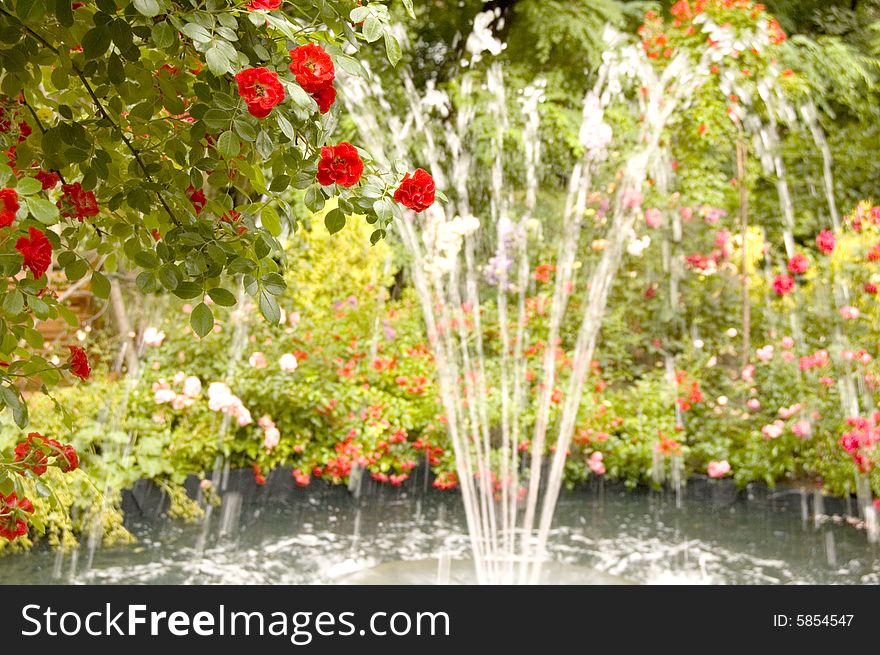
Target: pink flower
[(802, 429), (827, 381), (849, 313), (265, 421), (826, 241), (788, 356), (788, 412), (686, 213), (798, 264), (783, 284), (753, 404), (748, 373), (765, 354), (773, 430), (632, 198), (596, 464), (718, 469), (653, 218), (787, 343), (271, 437), (258, 360)]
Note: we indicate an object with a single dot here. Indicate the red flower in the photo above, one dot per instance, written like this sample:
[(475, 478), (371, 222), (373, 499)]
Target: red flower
[(76, 202), (325, 97), (340, 164), (32, 456), (260, 89), (197, 198), (874, 253), (826, 241), (798, 264), (416, 191), (79, 363), (870, 287), (8, 206), (312, 67), (71, 461), (263, 4), (11, 509), (782, 284), (36, 250), (49, 179)]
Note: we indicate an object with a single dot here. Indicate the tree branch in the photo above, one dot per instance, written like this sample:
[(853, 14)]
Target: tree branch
[(103, 113)]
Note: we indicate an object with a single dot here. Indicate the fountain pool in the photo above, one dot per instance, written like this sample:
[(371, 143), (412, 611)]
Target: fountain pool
[(323, 535)]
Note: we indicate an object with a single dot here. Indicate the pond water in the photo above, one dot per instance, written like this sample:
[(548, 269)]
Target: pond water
[(327, 536)]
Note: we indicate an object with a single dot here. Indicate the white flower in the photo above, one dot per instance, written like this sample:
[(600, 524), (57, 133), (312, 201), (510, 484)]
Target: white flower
[(287, 363), (638, 246), (192, 386), (153, 337), (164, 396)]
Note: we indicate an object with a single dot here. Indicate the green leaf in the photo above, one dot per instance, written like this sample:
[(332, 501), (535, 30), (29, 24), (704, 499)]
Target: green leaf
[(202, 319), (229, 145), (149, 8), (409, 8), (196, 32), (13, 302), (358, 14), (100, 285), (222, 297), (218, 62), (315, 198), (164, 35), (334, 221), (270, 220), (392, 49), (169, 276), (188, 290), (273, 283), (146, 281), (28, 186), (96, 42), (280, 183), (372, 29), (43, 210), (269, 307)]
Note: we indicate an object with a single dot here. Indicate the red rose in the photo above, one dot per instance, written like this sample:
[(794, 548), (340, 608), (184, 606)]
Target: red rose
[(263, 4), (325, 97), (70, 460), (340, 164), (8, 206), (76, 202), (24, 131), (36, 250), (416, 191), (260, 89), (11, 508), (782, 284), (79, 363), (798, 264), (33, 457), (49, 179), (870, 287), (312, 67), (826, 241), (197, 198)]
